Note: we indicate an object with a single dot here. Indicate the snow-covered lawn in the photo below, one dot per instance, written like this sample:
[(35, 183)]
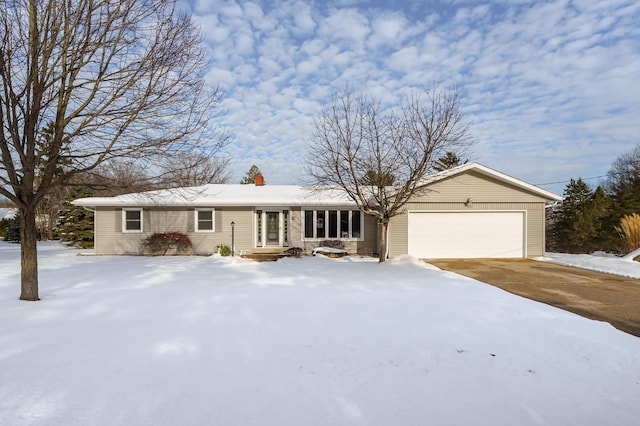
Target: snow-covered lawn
[(312, 341), (601, 262)]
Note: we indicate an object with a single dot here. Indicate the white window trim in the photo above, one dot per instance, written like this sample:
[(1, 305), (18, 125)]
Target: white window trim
[(326, 225), (124, 220), (262, 217), (213, 220)]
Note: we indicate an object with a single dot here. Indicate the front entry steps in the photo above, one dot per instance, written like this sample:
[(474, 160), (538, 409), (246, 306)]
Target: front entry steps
[(267, 254)]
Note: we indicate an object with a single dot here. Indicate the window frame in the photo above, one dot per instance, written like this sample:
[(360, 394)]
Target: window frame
[(197, 221), (125, 222), (323, 214)]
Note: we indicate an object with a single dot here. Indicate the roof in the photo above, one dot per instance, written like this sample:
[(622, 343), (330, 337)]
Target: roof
[(493, 174), (224, 195), (219, 195)]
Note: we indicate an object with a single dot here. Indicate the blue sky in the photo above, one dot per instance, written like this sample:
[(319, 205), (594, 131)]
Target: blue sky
[(552, 88)]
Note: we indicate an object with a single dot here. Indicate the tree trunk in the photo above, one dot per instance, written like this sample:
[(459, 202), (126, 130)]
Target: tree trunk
[(382, 242), (29, 255)]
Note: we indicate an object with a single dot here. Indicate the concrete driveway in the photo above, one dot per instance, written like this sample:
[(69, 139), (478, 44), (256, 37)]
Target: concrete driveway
[(594, 295)]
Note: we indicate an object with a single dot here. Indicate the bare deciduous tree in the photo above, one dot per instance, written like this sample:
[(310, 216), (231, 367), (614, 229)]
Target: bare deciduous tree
[(380, 157), (108, 79), (196, 168), (118, 176)]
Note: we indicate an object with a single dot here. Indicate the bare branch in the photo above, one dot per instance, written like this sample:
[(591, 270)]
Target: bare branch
[(379, 157), (109, 80)]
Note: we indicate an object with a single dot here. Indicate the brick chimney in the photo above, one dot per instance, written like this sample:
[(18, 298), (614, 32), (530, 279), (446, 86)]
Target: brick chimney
[(259, 179)]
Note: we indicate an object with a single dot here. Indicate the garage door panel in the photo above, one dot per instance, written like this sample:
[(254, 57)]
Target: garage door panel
[(466, 234)]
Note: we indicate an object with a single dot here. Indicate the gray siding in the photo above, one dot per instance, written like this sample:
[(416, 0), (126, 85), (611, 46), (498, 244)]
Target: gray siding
[(449, 194), (110, 239), (478, 187), (485, 194)]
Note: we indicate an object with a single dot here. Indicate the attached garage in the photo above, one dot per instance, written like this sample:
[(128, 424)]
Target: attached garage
[(461, 234), (472, 211)]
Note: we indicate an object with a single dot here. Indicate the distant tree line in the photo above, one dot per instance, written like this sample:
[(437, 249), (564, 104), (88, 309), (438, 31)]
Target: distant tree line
[(58, 219), (600, 219)]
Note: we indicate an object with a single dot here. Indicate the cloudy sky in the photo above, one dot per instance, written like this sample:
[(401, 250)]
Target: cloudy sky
[(552, 88)]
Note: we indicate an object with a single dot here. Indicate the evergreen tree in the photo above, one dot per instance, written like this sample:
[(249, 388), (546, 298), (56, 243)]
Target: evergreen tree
[(75, 224), (4, 224), (13, 230), (448, 161), (250, 176), (600, 208), (572, 227)]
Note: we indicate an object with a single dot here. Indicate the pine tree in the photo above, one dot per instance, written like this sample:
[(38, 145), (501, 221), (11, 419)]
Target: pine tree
[(4, 224), (250, 176), (582, 223), (12, 232), (572, 226), (75, 224), (600, 208), (448, 161)]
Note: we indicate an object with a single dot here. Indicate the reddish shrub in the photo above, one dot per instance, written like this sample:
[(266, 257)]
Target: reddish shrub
[(161, 242)]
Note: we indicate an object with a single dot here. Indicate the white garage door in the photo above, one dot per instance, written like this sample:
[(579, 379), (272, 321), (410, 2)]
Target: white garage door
[(466, 234)]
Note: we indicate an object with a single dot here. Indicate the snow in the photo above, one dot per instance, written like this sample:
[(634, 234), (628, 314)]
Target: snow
[(313, 341), (327, 250), (7, 213), (225, 195), (601, 262)]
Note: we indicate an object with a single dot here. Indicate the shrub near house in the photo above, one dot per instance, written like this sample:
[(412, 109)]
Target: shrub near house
[(161, 243)]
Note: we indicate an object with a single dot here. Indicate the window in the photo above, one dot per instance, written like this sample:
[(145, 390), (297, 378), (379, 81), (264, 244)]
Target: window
[(132, 220), (335, 224), (205, 220), (308, 223), (356, 224), (344, 224)]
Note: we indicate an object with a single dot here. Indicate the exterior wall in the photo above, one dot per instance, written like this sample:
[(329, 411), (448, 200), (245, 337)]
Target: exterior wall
[(109, 238), (450, 194), (366, 246), (398, 227), (485, 194), (478, 187)]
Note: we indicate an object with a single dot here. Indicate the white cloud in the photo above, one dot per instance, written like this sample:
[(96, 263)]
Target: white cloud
[(345, 25), (304, 22), (388, 29), (551, 86)]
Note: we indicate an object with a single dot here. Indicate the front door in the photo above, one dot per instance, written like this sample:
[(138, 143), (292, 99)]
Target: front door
[(273, 229)]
